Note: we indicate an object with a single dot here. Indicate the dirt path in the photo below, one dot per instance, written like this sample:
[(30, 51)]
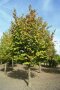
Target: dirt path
[(17, 80)]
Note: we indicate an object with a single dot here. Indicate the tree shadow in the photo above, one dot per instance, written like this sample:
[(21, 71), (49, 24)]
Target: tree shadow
[(32, 69), (2, 69), (51, 70), (8, 69), (58, 68), (45, 66), (20, 74), (35, 69)]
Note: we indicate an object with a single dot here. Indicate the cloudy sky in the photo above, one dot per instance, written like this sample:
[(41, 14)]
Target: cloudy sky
[(48, 9)]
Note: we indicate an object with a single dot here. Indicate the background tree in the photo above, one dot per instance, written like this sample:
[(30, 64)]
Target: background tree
[(5, 45)]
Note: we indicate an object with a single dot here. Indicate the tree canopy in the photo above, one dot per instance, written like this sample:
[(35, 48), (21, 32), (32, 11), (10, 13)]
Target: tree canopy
[(27, 40)]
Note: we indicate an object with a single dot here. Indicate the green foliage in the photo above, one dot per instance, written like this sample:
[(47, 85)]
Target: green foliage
[(52, 63), (57, 58), (5, 45), (28, 39)]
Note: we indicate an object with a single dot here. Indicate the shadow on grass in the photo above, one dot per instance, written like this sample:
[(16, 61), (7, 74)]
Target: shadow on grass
[(51, 70), (20, 74)]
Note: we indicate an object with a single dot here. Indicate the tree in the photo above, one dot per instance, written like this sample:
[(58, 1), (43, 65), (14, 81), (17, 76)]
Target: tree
[(30, 38), (5, 45), (57, 58), (50, 49), (27, 40)]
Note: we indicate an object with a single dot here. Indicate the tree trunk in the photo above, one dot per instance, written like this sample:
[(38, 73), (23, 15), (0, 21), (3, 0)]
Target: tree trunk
[(12, 64), (1, 62), (44, 63), (39, 67), (5, 68), (29, 77)]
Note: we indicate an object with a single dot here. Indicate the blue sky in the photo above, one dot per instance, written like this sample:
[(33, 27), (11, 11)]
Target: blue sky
[(48, 9)]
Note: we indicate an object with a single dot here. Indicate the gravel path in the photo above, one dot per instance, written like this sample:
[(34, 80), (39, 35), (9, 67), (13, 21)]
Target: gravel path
[(17, 80)]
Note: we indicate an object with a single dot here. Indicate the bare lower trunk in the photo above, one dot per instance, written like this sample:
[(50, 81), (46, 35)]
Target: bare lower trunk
[(1, 62), (12, 64), (5, 68), (16, 61), (39, 67), (44, 63), (29, 77)]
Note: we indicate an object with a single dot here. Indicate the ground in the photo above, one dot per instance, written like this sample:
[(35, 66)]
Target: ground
[(48, 79)]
